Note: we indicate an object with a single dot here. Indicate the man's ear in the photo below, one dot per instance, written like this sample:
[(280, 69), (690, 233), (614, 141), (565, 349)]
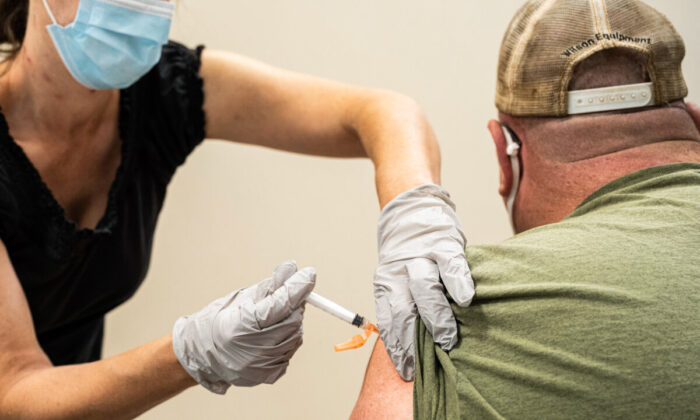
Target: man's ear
[(506, 171), (694, 111)]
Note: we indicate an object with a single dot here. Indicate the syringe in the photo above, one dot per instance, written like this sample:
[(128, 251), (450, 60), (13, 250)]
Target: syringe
[(348, 316), (338, 311)]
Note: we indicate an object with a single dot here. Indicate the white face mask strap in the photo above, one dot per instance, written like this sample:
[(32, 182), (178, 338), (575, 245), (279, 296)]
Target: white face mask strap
[(513, 151), (48, 10), (160, 8)]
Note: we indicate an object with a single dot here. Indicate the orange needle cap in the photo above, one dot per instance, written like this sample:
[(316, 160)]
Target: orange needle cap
[(358, 340)]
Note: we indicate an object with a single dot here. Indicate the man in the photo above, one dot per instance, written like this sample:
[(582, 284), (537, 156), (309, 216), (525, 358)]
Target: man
[(592, 310)]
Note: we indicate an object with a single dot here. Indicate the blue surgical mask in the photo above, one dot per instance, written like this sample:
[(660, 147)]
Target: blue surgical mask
[(112, 43)]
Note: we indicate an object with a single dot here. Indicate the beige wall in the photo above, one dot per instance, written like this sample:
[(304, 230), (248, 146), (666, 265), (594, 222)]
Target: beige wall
[(234, 212)]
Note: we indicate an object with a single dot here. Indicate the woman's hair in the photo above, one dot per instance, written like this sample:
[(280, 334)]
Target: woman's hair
[(13, 24)]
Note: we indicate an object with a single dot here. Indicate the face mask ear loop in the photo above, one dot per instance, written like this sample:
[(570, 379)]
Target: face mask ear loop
[(48, 10), (513, 151)]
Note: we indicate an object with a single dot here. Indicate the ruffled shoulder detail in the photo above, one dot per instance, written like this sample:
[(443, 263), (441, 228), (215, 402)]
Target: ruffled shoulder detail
[(169, 103)]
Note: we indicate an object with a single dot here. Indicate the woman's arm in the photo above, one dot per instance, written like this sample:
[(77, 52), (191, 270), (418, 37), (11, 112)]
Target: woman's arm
[(31, 387), (250, 102), (245, 338), (421, 242)]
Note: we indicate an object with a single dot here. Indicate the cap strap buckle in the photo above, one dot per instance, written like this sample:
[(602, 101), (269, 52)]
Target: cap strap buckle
[(611, 98)]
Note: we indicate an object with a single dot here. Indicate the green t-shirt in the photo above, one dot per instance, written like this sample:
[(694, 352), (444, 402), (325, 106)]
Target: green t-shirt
[(595, 316)]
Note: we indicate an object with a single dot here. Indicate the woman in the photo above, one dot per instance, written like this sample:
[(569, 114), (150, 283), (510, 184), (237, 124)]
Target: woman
[(97, 112)]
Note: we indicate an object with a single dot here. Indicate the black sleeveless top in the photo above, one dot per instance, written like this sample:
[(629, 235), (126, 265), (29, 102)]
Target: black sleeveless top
[(73, 276)]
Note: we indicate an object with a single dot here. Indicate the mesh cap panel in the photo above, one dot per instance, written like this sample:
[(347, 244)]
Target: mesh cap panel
[(548, 38)]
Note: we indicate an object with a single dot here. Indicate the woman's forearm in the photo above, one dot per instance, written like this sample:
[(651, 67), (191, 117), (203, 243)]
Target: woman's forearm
[(398, 138), (122, 386)]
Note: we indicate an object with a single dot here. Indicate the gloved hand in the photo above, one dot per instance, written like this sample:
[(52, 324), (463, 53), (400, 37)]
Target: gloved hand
[(247, 337), (420, 242)]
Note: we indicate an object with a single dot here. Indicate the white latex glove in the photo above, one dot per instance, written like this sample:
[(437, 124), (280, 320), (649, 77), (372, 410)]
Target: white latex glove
[(247, 337), (421, 242)]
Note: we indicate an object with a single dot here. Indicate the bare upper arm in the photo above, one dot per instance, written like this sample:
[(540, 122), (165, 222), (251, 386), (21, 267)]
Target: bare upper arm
[(19, 348), (250, 102), (384, 394)]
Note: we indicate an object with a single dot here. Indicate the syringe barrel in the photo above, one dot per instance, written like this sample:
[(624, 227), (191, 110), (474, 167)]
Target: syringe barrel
[(331, 307)]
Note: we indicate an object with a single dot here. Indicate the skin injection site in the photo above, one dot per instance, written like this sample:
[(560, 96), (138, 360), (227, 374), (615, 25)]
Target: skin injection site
[(377, 209)]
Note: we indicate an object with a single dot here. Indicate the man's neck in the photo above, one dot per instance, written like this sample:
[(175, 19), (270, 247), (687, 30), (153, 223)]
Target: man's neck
[(557, 181)]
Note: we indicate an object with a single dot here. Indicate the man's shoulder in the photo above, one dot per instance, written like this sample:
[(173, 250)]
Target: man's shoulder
[(638, 217), (536, 255)]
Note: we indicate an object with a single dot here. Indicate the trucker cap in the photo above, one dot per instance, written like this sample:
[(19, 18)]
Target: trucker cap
[(547, 39)]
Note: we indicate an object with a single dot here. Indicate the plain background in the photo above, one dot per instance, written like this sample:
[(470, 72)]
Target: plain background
[(234, 212)]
